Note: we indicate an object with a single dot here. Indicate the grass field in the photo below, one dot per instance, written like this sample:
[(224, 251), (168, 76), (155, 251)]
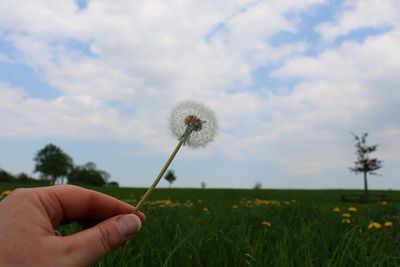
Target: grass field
[(222, 227)]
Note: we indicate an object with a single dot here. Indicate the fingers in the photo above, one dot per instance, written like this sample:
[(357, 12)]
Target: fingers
[(70, 203), (88, 246), (90, 222)]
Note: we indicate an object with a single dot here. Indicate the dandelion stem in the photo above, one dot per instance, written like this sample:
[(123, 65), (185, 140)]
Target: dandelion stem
[(153, 186)]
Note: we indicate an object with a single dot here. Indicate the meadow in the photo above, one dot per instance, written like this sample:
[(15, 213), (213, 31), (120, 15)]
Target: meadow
[(231, 227)]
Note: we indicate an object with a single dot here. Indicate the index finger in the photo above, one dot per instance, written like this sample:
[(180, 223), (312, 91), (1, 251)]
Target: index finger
[(71, 203)]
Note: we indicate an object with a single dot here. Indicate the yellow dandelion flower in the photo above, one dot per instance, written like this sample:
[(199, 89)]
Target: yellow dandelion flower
[(336, 209), (188, 205), (352, 209), (346, 220), (5, 193), (384, 203), (266, 224), (346, 215), (388, 224), (205, 209), (235, 206), (374, 225)]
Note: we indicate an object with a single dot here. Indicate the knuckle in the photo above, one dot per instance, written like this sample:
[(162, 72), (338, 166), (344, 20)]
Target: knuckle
[(70, 186), (104, 239)]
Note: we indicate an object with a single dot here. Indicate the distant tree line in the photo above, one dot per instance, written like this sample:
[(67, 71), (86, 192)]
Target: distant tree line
[(7, 177), (54, 166)]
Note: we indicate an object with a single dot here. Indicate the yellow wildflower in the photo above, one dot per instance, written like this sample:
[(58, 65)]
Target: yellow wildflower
[(235, 206), (384, 203), (346, 220), (388, 224), (266, 224), (352, 209), (5, 193), (188, 205), (346, 215), (205, 209), (374, 225), (336, 209)]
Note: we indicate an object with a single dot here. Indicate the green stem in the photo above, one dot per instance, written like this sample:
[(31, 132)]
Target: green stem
[(153, 186)]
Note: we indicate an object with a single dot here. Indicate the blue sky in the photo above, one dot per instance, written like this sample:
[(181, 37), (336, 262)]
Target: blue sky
[(288, 80)]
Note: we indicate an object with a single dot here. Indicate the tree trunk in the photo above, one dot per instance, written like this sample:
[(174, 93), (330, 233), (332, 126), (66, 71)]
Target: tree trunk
[(366, 198)]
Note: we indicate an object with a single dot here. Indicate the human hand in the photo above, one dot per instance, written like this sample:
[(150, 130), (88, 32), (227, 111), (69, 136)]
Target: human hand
[(28, 218)]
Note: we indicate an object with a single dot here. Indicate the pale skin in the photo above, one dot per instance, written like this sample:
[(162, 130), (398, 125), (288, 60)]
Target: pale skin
[(28, 218)]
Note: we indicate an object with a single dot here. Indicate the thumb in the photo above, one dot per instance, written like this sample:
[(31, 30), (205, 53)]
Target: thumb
[(88, 246)]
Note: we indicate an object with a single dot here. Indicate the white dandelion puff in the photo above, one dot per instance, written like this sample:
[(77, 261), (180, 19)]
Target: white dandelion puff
[(195, 122), (194, 125)]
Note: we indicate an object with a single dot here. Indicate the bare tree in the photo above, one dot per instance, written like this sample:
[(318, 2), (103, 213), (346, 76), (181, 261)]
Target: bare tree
[(364, 163)]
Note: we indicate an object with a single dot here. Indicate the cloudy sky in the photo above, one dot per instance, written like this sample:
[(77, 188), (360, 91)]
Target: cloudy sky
[(288, 80)]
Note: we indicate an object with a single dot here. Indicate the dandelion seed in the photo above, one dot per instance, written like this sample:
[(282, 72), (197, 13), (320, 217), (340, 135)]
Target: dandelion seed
[(194, 125), (193, 122)]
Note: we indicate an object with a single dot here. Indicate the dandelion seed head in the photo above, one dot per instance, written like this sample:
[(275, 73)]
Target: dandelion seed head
[(199, 118)]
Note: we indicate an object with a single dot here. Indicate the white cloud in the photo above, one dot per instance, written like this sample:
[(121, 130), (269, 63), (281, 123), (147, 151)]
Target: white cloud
[(360, 15), (147, 56), (353, 88)]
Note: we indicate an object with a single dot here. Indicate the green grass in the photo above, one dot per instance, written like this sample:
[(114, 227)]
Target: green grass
[(304, 232)]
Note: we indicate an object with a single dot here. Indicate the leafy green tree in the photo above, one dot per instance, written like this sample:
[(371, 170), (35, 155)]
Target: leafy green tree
[(364, 163), (170, 177), (26, 179), (113, 184), (258, 185), (53, 163), (88, 174), (6, 177)]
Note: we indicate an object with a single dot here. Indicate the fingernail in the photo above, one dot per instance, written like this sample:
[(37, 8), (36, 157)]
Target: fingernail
[(128, 224)]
